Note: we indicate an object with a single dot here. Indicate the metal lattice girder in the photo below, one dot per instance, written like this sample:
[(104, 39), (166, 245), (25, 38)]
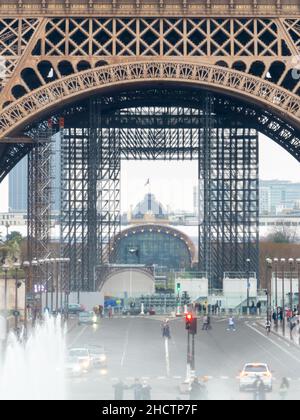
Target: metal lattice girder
[(90, 201), (228, 199), (40, 177), (108, 168), (74, 204)]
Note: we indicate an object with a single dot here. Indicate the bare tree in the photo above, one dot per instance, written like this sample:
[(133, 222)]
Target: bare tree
[(283, 234)]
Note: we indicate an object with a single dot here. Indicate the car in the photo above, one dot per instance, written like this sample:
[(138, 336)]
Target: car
[(75, 308), (87, 317), (98, 356), (78, 361), (251, 372)]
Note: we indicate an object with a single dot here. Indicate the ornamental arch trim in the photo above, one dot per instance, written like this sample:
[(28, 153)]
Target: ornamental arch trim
[(251, 89)]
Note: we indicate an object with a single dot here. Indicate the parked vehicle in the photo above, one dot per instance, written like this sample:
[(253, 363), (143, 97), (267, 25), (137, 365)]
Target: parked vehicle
[(75, 308)]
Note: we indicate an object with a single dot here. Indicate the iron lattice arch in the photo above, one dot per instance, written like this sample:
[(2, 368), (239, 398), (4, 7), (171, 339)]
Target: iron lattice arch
[(46, 58), (263, 47)]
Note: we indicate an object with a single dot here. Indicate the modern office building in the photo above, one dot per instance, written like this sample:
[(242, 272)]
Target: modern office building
[(17, 188), (18, 179), (278, 196)]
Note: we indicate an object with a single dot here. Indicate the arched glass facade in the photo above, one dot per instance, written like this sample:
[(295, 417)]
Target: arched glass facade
[(164, 247)]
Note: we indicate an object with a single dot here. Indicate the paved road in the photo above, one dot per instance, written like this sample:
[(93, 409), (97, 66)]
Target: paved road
[(135, 348)]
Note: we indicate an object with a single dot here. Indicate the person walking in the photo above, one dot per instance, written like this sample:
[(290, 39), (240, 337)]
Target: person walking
[(205, 323), (146, 391), (259, 390), (268, 326), (137, 390), (196, 391), (208, 323), (119, 390), (284, 388), (231, 324), (166, 329)]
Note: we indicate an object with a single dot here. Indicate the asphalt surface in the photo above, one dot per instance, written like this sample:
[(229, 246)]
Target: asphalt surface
[(135, 348)]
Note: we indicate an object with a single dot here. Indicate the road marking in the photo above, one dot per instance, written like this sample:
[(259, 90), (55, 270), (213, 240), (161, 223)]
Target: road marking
[(177, 377), (224, 377), (161, 377), (274, 342), (167, 356), (78, 336), (125, 347)]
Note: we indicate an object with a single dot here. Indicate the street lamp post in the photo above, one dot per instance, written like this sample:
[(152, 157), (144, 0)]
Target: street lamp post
[(67, 287), (282, 260), (57, 265), (26, 266), (79, 281), (248, 286), (34, 264), (52, 262), (269, 299), (16, 267), (276, 282), (276, 291), (5, 269), (298, 266), (46, 283), (61, 271), (41, 286), (291, 264)]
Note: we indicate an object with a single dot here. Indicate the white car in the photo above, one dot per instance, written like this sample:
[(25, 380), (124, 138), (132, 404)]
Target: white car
[(254, 371), (98, 356), (78, 361)]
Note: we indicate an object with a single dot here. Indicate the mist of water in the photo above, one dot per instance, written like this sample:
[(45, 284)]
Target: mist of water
[(34, 370)]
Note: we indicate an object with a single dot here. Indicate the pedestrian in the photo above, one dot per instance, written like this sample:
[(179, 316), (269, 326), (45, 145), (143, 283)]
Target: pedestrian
[(137, 390), (101, 311), (284, 388), (259, 390), (119, 390), (208, 323), (195, 391), (110, 313), (146, 391), (205, 323), (231, 324), (268, 326), (275, 318), (166, 329)]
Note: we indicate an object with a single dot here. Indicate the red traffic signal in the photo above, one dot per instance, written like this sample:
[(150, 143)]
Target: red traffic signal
[(191, 323), (188, 321)]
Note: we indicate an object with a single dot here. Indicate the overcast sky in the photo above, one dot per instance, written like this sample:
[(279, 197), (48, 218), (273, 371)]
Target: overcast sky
[(172, 182)]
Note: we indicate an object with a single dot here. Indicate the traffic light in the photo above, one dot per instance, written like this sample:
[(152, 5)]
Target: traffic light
[(191, 323), (178, 287), (188, 321)]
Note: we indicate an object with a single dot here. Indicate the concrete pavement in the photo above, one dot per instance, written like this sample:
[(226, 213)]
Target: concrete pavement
[(135, 348)]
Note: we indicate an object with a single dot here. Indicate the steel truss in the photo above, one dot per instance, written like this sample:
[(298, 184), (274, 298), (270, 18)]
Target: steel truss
[(228, 183), (40, 177), (90, 201), (228, 199)]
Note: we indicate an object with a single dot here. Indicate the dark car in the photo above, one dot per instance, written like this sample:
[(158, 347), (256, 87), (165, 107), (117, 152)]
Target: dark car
[(75, 308)]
